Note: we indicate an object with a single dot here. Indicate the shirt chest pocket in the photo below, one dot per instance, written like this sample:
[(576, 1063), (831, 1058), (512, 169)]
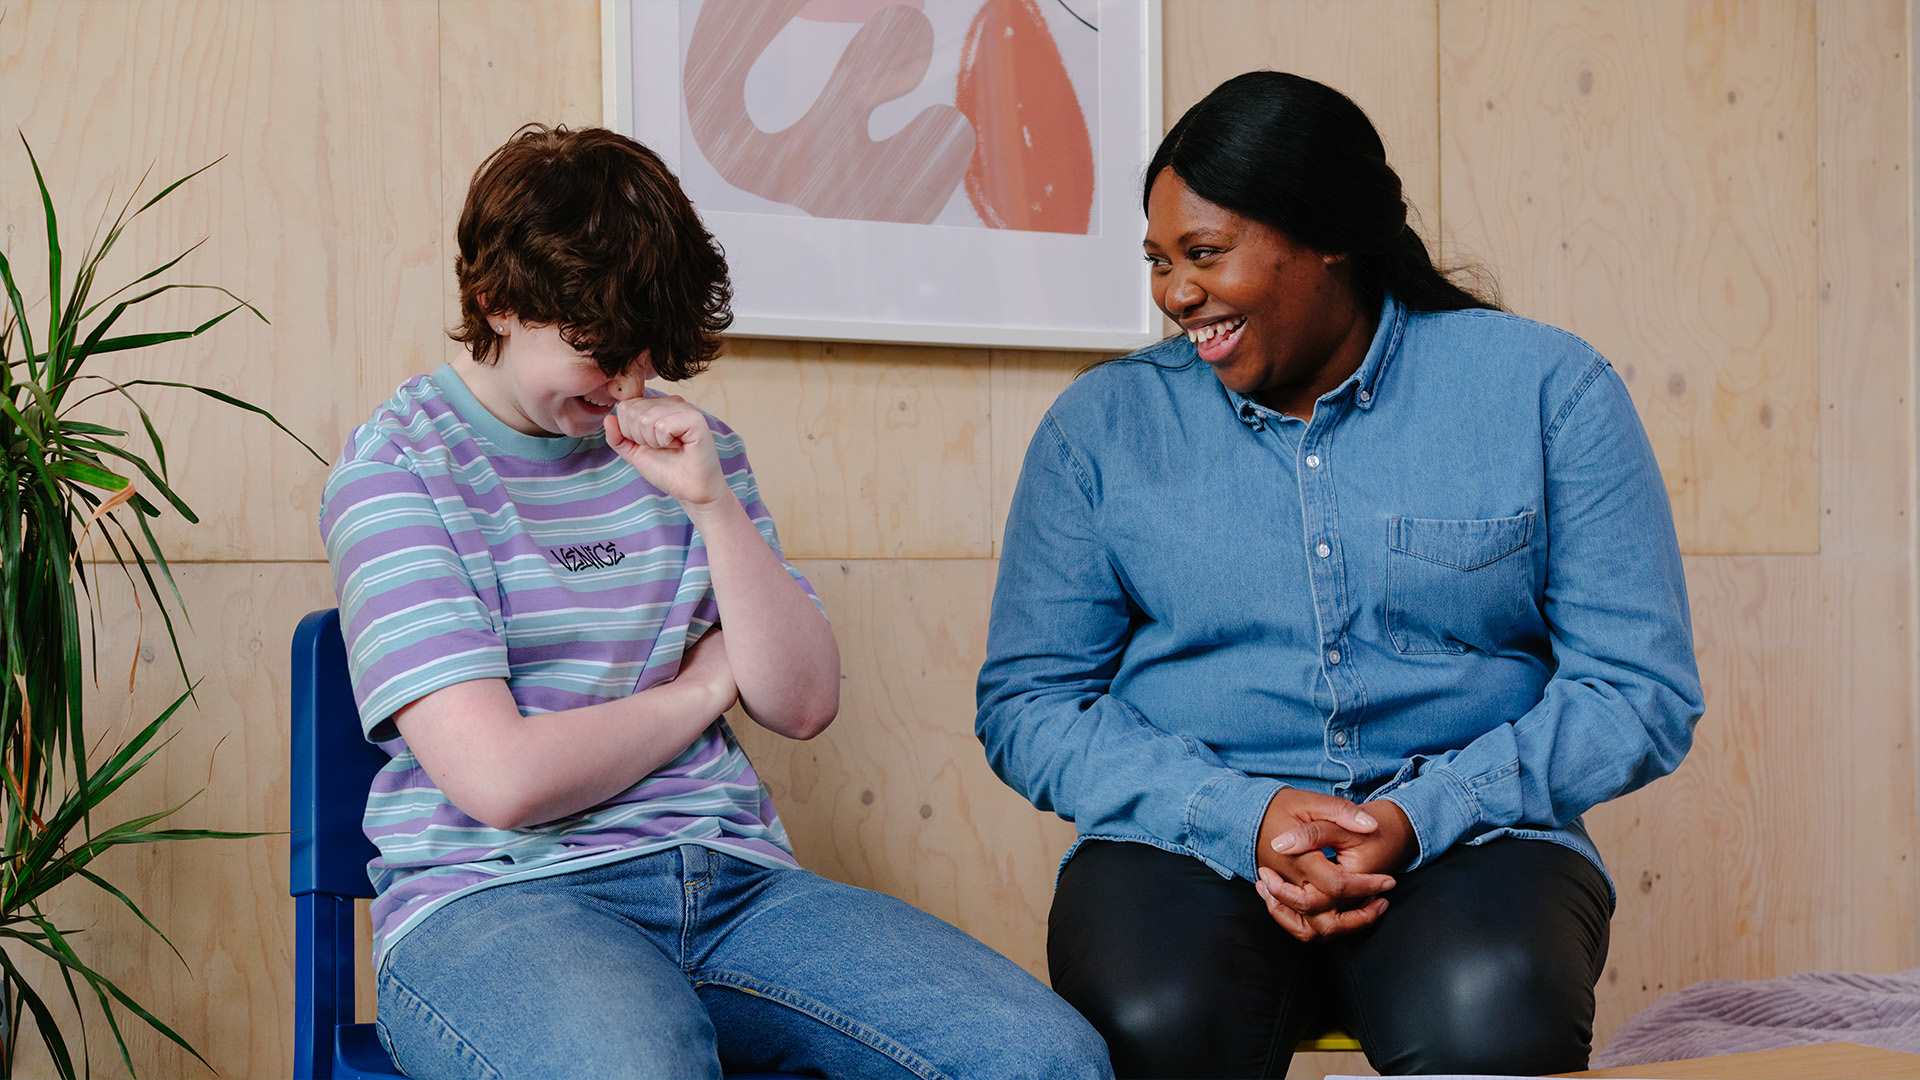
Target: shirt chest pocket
[(1459, 584)]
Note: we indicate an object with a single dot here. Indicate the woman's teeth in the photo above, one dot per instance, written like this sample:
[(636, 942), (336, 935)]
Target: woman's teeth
[(1215, 329)]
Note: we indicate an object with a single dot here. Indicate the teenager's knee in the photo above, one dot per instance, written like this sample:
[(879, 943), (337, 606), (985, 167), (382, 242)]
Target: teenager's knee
[(1057, 1046)]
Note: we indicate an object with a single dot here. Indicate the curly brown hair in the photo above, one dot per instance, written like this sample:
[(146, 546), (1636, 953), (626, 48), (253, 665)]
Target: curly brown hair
[(589, 231)]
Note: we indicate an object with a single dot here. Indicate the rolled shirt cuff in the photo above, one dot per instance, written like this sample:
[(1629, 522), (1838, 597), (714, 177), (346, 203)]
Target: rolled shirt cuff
[(1223, 822), (1440, 807)]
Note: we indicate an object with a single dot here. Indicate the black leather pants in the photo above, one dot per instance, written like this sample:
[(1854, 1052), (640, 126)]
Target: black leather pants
[(1484, 962)]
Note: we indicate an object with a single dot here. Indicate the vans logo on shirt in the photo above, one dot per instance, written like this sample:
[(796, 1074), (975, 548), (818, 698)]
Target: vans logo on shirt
[(587, 556)]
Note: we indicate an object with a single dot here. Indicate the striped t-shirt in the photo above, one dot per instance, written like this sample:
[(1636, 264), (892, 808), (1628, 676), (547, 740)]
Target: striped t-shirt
[(463, 549)]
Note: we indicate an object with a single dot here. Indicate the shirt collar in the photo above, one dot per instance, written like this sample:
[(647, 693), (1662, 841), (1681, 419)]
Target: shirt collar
[(460, 398), (1364, 383)]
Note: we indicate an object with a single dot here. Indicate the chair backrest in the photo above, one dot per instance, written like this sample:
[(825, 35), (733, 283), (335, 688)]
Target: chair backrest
[(333, 766)]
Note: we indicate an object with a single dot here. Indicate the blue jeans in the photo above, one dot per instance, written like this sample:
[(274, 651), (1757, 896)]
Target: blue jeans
[(683, 962)]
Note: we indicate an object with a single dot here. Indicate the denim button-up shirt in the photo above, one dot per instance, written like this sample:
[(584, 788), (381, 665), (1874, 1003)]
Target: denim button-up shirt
[(1456, 587)]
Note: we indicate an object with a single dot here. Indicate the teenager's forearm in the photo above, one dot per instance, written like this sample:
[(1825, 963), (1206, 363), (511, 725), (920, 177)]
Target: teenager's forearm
[(565, 762), (781, 649)]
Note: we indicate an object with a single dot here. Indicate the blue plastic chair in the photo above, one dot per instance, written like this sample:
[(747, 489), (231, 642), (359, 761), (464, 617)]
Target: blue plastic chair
[(333, 766)]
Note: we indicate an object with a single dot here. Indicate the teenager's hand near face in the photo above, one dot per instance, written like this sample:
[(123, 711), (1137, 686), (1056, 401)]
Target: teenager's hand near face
[(668, 441), (780, 655)]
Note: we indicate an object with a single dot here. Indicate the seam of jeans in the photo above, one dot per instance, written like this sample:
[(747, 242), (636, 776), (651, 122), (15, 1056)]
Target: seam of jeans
[(386, 1043), (875, 1040), (689, 914), (696, 875), (446, 1032)]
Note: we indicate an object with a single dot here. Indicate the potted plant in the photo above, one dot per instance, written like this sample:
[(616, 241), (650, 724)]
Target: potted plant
[(66, 482)]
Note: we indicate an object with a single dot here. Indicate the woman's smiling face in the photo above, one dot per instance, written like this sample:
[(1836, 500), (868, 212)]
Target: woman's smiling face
[(1270, 316)]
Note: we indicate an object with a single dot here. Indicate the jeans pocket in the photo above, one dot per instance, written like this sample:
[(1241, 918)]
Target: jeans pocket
[(1455, 584)]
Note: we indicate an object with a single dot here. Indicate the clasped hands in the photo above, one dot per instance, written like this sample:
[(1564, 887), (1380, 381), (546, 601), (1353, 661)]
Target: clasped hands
[(1314, 897)]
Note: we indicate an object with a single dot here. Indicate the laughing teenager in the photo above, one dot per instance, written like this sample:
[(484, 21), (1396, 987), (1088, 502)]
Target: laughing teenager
[(553, 580)]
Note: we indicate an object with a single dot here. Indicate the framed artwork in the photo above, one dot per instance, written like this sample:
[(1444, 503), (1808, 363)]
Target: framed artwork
[(961, 172)]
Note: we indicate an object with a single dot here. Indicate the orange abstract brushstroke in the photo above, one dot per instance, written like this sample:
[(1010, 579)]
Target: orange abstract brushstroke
[(1032, 165)]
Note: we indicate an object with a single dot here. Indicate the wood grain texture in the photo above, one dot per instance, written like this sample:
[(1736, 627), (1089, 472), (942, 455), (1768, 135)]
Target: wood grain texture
[(862, 451), (1380, 53), (1642, 174), (897, 795), (501, 64), (324, 214), (224, 903), (1787, 841), (1867, 442)]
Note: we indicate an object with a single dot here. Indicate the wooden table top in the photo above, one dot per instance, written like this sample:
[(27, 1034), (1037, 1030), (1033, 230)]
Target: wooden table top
[(1822, 1061)]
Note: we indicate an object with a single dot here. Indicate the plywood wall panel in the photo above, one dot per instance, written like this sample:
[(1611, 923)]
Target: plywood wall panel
[(324, 214), (224, 903), (502, 64), (1380, 53), (1642, 174), (897, 795), (863, 451), (1867, 466)]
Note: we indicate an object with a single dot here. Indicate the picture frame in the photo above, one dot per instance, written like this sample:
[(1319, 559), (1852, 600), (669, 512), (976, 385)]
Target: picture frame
[(820, 141)]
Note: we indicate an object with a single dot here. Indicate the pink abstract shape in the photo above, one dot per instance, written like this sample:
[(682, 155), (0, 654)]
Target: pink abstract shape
[(825, 164), (1032, 164), (852, 11)]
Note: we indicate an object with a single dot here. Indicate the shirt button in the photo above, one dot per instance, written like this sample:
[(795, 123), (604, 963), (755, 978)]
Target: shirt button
[(1339, 738), (1333, 656), (1313, 461), (1323, 550), (1366, 395)]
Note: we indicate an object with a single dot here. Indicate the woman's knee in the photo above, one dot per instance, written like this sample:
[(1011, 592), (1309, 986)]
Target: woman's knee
[(1173, 1027), (1503, 1011), (1204, 995)]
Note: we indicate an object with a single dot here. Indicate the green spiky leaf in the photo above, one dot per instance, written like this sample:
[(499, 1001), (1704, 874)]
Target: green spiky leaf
[(61, 477)]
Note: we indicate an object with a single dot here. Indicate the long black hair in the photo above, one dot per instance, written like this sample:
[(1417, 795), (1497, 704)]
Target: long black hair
[(1301, 157)]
